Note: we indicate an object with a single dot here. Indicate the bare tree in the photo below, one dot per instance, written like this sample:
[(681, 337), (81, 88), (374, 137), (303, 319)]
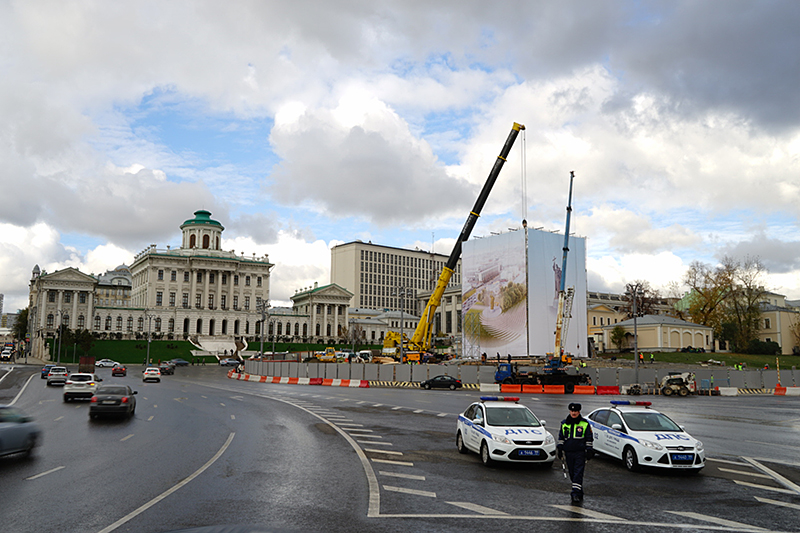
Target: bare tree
[(647, 299)]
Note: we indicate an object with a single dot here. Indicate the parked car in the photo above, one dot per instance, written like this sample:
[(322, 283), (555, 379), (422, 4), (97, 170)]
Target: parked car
[(229, 362), (80, 385), (151, 374), (441, 382), (46, 369), (18, 432), (105, 363), (179, 362), (113, 399), (57, 375), (119, 370), (166, 368)]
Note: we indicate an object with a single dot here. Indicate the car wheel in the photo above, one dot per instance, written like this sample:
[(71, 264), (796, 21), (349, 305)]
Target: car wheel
[(452, 387), (683, 391), (569, 388), (460, 443), (666, 391), (427, 386), (631, 463), (486, 459), (30, 444), (93, 416), (66, 398)]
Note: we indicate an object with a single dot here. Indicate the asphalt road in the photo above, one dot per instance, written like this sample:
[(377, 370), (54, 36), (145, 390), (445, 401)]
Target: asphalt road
[(204, 450)]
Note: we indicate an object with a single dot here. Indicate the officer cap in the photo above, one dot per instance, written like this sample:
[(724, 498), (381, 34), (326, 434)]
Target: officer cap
[(574, 407)]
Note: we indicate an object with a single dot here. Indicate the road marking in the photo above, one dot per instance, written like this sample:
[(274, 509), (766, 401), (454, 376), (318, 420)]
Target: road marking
[(358, 430), (764, 487), (222, 404), (21, 390), (349, 424), (396, 408), (715, 520), (233, 417), (151, 417), (774, 475), (776, 502), (374, 442), (388, 452), (586, 512), (477, 508), (388, 462), (419, 411), (410, 491), (378, 405), (175, 488), (443, 414), (57, 419), (200, 396), (737, 463), (123, 439), (404, 476), (239, 398), (56, 469), (743, 473), (154, 406)]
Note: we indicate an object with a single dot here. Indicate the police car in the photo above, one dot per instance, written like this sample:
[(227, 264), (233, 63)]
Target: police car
[(500, 429), (642, 436)]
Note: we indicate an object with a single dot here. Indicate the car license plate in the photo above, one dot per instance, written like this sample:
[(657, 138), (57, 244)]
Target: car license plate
[(682, 457), (109, 402), (529, 453)]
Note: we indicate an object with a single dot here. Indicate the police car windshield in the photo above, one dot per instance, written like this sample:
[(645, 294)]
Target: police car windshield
[(649, 422), (511, 416)]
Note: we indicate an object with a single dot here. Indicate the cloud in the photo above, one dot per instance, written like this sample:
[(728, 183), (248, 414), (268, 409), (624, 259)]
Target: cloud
[(778, 256)]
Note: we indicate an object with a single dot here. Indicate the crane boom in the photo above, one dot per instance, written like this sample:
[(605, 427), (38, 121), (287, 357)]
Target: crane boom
[(421, 340), (564, 297)]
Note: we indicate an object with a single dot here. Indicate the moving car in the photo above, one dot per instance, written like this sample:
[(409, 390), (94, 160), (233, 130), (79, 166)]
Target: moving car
[(641, 436), (18, 432), (113, 399), (46, 369), (6, 355), (80, 385), (105, 363), (151, 374), (500, 429), (441, 382), (179, 362), (57, 375), (166, 368), (229, 362), (119, 370)]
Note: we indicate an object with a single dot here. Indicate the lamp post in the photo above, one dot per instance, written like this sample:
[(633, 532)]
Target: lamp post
[(149, 318), (263, 307), (60, 314), (635, 289), (401, 293), (353, 334)]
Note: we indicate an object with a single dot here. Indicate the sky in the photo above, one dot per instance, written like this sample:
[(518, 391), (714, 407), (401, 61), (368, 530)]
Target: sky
[(302, 125)]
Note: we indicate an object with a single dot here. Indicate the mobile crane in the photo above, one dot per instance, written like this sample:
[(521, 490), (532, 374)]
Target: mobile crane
[(421, 341)]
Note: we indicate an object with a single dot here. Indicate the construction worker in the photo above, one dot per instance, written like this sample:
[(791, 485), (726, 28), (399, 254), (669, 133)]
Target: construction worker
[(652, 358), (576, 446), (641, 357)]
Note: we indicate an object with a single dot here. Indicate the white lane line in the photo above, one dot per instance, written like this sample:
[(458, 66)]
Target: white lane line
[(743, 473), (233, 417), (443, 414), (477, 508), (175, 488), (396, 408), (388, 462), (151, 417), (419, 411), (776, 502), (57, 419), (387, 452), (154, 406), (403, 476), (763, 487), (348, 423), (358, 430), (21, 390), (200, 396), (56, 469), (587, 512), (374, 442), (774, 475), (123, 439), (410, 491), (377, 405), (222, 404), (715, 520)]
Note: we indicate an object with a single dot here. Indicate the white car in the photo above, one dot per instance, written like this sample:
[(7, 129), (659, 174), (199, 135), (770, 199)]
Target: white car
[(57, 374), (642, 436), (151, 374), (106, 363), (80, 385), (500, 429)]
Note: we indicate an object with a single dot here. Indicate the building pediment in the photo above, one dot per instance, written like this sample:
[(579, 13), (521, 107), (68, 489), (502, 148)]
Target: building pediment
[(69, 275)]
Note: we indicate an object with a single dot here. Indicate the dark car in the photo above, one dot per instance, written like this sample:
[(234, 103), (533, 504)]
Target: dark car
[(166, 368), (119, 370), (46, 369), (179, 362), (441, 382), (113, 400), (18, 432)]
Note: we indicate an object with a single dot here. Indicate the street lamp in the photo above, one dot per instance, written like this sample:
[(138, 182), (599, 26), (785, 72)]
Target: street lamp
[(60, 314), (263, 307), (401, 293), (149, 318), (353, 334), (635, 289)]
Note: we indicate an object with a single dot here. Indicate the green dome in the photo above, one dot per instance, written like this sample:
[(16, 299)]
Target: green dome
[(202, 218)]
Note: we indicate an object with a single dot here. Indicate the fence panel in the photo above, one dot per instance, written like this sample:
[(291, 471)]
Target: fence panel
[(469, 374), (402, 372), (606, 377), (371, 372), (387, 372)]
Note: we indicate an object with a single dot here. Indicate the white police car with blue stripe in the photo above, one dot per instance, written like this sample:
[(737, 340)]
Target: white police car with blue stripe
[(642, 436), (500, 429)]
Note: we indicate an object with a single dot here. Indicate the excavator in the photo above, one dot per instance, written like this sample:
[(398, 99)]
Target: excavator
[(421, 341)]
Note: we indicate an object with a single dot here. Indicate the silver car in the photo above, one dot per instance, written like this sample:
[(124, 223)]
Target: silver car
[(18, 432)]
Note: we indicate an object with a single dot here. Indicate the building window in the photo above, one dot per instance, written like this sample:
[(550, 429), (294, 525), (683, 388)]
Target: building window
[(97, 322), (594, 320), (130, 324), (206, 241), (173, 275), (50, 321), (258, 281), (185, 300), (171, 325), (211, 301), (223, 300), (160, 274), (211, 277), (51, 296), (81, 322), (108, 323), (192, 241), (318, 329), (329, 330), (247, 303), (186, 277), (280, 328), (159, 298), (198, 300), (172, 299), (82, 298), (224, 279), (247, 281), (236, 280), (236, 302), (766, 324), (158, 323), (67, 297), (199, 277), (601, 321)]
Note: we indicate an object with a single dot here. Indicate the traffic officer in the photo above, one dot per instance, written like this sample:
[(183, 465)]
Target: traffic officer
[(576, 445)]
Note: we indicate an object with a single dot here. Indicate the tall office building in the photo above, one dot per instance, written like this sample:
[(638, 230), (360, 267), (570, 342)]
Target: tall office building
[(376, 274)]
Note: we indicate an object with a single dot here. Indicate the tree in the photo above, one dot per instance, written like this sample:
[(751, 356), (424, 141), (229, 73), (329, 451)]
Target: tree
[(618, 336), (794, 328), (709, 287), (20, 329), (647, 299), (743, 307)]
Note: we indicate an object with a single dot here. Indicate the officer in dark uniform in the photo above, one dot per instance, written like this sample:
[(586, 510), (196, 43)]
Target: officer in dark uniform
[(576, 445)]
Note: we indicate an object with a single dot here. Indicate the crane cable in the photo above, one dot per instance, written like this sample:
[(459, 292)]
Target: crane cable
[(524, 175)]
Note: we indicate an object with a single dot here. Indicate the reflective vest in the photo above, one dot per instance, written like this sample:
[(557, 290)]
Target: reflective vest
[(580, 430)]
